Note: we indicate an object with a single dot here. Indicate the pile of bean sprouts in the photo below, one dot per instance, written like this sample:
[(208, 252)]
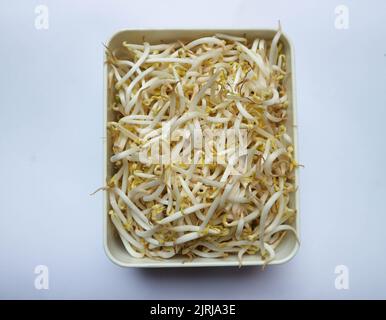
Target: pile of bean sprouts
[(200, 209)]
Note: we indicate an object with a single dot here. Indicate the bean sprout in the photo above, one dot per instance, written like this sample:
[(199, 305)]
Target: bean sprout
[(184, 99)]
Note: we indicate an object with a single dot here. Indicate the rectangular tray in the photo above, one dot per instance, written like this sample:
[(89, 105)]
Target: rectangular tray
[(112, 243)]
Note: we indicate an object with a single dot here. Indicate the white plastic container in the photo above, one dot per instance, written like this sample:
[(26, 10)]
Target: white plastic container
[(112, 243)]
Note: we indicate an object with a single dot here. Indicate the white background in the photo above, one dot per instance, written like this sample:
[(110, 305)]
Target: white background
[(51, 150)]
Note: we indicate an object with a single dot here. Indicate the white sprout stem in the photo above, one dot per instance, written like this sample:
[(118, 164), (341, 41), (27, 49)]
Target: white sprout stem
[(283, 228), (188, 237), (201, 93), (271, 158), (135, 81), (231, 38), (118, 224), (208, 254), (132, 206), (244, 112), (170, 60), (135, 67), (180, 214), (155, 194), (256, 58), (273, 50), (264, 214), (210, 212), (206, 40), (123, 154), (128, 246), (117, 210), (274, 99), (163, 46)]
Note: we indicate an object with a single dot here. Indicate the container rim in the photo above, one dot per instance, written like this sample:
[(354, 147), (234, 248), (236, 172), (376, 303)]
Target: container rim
[(218, 263)]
